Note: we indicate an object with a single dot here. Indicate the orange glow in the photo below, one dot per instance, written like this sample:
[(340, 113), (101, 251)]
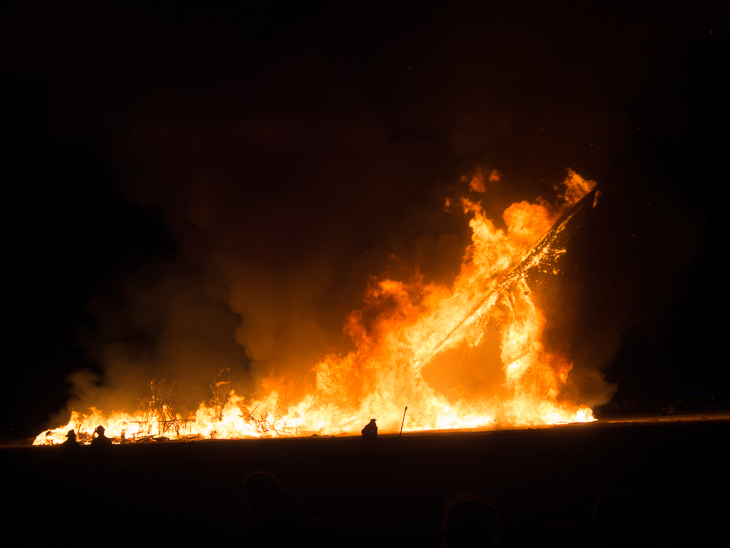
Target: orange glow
[(469, 355)]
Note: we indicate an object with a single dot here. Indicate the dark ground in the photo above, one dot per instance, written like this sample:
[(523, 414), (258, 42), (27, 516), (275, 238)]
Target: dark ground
[(391, 494)]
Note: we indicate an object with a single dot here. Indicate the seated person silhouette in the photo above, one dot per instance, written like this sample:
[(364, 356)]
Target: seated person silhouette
[(100, 440), (371, 430), (469, 521), (71, 449), (71, 442), (277, 514)]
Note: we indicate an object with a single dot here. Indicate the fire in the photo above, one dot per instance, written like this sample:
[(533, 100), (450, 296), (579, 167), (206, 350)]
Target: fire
[(408, 336)]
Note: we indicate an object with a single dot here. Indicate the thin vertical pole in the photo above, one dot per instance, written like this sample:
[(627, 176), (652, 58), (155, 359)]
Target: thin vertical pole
[(403, 421)]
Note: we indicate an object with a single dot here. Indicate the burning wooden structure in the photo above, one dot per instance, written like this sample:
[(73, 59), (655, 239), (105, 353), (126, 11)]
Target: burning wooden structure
[(404, 332)]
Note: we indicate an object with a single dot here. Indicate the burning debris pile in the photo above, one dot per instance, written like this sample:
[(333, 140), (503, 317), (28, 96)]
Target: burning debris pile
[(156, 420), (408, 337)]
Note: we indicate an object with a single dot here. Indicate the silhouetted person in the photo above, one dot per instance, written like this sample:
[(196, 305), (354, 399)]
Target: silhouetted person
[(469, 522), (71, 442), (370, 430), (277, 512), (100, 440), (101, 448), (70, 453)]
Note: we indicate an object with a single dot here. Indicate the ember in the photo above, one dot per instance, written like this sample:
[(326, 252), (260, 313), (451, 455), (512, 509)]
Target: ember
[(405, 333)]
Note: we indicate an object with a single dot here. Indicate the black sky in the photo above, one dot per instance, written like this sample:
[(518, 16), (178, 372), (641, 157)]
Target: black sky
[(255, 165)]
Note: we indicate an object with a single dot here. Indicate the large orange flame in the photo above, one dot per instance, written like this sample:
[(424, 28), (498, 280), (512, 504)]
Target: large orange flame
[(407, 332)]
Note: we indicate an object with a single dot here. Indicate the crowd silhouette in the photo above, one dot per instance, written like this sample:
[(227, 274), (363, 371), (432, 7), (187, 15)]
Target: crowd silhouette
[(269, 513)]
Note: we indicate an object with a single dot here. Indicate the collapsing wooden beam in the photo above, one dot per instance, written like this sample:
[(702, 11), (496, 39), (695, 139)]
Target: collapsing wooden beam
[(532, 259)]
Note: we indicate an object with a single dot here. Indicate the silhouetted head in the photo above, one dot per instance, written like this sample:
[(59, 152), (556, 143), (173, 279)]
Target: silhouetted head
[(372, 420), (262, 492), (99, 430), (71, 435), (469, 521)]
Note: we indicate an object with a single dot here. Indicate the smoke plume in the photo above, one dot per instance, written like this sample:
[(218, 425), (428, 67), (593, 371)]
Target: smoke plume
[(292, 164)]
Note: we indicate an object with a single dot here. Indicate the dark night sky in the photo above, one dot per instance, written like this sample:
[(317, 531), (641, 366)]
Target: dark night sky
[(255, 166)]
